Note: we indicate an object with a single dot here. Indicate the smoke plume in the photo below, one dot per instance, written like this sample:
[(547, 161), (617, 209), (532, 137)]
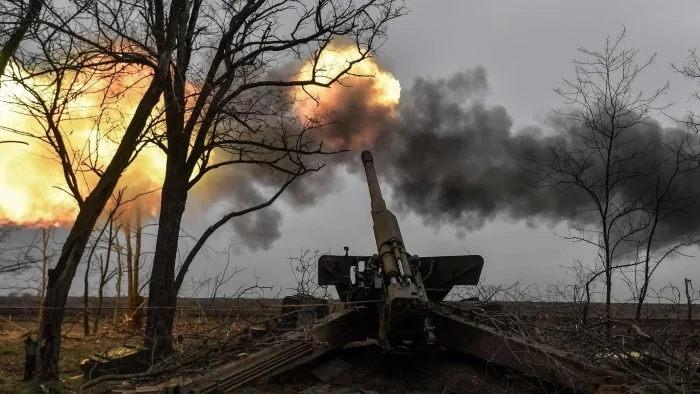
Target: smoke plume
[(451, 159)]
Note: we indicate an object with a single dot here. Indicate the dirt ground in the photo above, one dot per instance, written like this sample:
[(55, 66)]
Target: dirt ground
[(365, 370), (74, 348)]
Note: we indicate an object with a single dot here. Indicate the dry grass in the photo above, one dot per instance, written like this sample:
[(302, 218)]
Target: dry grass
[(74, 348)]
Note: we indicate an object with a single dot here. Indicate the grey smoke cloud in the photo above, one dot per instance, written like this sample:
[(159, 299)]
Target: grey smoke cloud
[(238, 188), (455, 160), (259, 229), (450, 158)]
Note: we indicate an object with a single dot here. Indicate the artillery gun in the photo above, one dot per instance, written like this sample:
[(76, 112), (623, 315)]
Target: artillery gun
[(397, 299), (404, 287)]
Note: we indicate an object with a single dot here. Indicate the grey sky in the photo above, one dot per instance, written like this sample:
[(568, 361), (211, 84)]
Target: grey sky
[(526, 48)]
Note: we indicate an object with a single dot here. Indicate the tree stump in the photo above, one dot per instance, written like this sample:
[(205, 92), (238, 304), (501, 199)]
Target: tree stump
[(30, 347)]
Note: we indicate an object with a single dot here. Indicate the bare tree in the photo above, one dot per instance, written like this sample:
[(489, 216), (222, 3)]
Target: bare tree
[(105, 274), (45, 257), (603, 155), (133, 260), (242, 111), (689, 291), (136, 298), (24, 15), (238, 97), (120, 271), (580, 286), (305, 272), (672, 194), (16, 257), (691, 71), (86, 284), (80, 40), (136, 301)]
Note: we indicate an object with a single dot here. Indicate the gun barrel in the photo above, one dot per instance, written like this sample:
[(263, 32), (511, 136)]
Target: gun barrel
[(375, 193), (386, 228)]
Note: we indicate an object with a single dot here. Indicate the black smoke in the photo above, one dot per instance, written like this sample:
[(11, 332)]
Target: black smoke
[(455, 160), (452, 159)]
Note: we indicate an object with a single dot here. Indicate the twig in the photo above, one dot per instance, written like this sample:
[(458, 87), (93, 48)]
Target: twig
[(23, 329)]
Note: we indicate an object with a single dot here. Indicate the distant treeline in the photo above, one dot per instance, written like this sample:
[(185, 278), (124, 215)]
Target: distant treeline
[(28, 305)]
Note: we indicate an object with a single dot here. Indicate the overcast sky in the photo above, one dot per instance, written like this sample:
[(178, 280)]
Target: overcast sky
[(526, 48)]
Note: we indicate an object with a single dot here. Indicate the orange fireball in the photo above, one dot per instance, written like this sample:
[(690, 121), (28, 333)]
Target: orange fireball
[(381, 90), (91, 115), (93, 112)]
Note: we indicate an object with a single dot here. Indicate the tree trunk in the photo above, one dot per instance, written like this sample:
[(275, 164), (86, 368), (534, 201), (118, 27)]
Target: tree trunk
[(137, 259), (15, 39), (86, 294), (162, 295), (86, 317), (640, 301), (100, 300), (119, 280), (100, 294), (608, 291), (129, 269), (61, 277), (587, 305), (104, 272), (689, 299), (44, 266), (136, 313), (58, 286), (647, 259)]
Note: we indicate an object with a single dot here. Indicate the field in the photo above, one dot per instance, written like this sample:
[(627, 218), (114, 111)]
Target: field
[(19, 318), (364, 367), (75, 347)]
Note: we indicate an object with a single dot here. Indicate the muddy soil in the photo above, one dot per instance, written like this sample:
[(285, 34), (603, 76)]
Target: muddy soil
[(365, 370)]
